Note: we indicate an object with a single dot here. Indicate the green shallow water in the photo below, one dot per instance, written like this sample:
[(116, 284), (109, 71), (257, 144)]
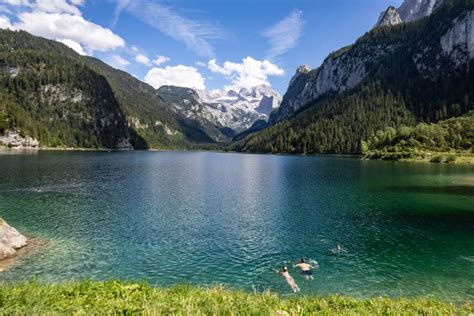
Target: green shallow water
[(211, 218)]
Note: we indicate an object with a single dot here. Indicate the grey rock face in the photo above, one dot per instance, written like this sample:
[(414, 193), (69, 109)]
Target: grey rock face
[(458, 42), (412, 10), (389, 17), (303, 69), (344, 70), (340, 72), (10, 240), (13, 139)]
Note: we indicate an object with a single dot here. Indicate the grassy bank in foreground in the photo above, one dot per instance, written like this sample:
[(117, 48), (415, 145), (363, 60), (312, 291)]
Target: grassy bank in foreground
[(113, 297)]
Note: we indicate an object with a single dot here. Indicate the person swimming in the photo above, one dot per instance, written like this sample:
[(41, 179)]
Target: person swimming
[(338, 249), (289, 279), (306, 269)]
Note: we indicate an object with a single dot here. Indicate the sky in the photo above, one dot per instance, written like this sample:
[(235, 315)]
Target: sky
[(202, 44)]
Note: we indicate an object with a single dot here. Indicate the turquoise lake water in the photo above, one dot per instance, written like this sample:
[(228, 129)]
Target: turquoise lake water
[(215, 218)]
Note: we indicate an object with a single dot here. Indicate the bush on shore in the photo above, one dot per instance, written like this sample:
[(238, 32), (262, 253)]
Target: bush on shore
[(116, 297)]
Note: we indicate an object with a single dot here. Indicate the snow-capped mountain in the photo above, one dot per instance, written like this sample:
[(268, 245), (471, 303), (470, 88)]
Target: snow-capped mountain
[(239, 110), (228, 112)]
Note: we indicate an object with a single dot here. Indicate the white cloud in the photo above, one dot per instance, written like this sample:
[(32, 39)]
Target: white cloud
[(196, 35), (142, 59), (119, 62), (160, 60), (74, 45), (284, 35), (91, 36), (201, 64), (17, 2), (61, 19), (55, 6), (180, 75), (135, 49), (247, 74), (5, 23), (121, 5), (78, 2)]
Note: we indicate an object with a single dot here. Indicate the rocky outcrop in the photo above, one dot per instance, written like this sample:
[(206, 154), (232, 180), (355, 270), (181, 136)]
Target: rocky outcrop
[(412, 10), (458, 42), (341, 71), (389, 17), (301, 70), (13, 139), (10, 240)]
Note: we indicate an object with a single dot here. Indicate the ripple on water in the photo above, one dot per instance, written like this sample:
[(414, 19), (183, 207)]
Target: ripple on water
[(209, 218)]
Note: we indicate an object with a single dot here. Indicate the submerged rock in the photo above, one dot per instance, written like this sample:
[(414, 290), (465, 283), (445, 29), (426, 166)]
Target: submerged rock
[(10, 240)]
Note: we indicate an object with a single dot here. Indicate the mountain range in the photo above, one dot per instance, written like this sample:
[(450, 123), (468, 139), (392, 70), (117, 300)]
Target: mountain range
[(414, 66), (222, 114)]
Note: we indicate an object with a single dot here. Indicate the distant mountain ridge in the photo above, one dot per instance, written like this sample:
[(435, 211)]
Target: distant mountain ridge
[(222, 114), (61, 98)]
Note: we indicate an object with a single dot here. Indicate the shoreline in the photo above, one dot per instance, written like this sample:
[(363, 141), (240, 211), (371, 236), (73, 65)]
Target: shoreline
[(34, 245), (460, 158)]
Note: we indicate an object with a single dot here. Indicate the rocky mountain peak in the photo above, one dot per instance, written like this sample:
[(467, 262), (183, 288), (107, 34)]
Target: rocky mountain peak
[(303, 69), (389, 17), (410, 10)]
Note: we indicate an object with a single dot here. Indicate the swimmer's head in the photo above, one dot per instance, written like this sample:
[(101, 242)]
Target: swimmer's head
[(302, 260), (285, 269)]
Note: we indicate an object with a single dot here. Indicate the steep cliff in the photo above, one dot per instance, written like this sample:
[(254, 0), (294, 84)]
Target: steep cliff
[(348, 67), (400, 74)]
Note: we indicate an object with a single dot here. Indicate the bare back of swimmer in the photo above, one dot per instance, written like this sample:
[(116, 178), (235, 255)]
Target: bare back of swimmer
[(289, 279)]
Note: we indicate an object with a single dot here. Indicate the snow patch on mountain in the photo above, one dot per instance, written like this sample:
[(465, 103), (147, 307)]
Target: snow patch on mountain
[(238, 110)]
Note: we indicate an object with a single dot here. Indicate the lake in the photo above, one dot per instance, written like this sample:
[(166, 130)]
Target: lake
[(215, 218)]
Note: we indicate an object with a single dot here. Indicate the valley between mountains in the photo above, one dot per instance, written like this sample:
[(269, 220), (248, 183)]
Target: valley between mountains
[(415, 66)]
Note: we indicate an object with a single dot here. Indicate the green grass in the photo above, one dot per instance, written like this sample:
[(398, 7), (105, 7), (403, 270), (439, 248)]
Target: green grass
[(116, 297)]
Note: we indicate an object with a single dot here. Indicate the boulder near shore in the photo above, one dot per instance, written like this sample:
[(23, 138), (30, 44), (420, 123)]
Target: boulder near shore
[(10, 240)]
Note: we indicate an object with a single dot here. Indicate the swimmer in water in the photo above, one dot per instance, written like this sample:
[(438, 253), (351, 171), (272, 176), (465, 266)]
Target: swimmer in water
[(306, 269), (338, 249), (289, 279)]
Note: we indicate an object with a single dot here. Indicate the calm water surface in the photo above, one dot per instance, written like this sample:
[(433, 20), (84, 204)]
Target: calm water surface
[(209, 218)]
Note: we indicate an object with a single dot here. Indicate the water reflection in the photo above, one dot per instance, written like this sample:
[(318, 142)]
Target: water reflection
[(226, 218)]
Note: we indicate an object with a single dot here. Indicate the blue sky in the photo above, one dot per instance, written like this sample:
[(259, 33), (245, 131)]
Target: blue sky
[(207, 44)]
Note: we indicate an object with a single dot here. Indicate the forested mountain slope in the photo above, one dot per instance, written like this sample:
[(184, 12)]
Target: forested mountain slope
[(51, 93), (396, 75)]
